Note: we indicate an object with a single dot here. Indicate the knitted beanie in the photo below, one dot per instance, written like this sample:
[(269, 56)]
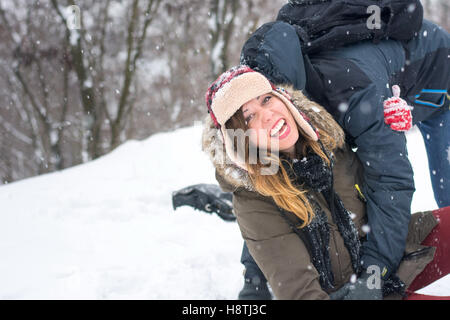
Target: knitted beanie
[(237, 86)]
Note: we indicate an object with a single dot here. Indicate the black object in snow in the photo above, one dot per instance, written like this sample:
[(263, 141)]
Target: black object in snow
[(208, 198)]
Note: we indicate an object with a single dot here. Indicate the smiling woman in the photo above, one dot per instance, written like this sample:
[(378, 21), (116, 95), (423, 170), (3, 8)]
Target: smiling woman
[(304, 223), (271, 118)]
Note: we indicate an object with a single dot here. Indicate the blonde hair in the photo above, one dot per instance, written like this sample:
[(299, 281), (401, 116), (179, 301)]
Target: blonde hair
[(279, 186)]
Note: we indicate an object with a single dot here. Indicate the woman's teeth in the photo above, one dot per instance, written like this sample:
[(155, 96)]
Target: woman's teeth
[(283, 131), (277, 128)]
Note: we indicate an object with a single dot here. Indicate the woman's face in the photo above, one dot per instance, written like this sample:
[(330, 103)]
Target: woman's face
[(269, 116)]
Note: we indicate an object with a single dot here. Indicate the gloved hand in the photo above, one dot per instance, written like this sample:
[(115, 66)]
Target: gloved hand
[(363, 288), (397, 113)]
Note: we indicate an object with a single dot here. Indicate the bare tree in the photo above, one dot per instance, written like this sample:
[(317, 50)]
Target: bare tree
[(221, 24), (135, 37), (134, 51), (133, 68), (30, 66)]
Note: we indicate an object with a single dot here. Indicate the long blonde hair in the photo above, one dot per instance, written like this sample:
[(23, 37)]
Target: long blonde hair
[(279, 186)]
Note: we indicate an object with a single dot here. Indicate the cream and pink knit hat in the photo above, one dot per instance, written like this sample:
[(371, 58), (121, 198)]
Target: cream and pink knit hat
[(239, 85)]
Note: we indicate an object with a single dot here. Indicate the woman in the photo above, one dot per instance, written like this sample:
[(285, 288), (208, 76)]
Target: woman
[(304, 222)]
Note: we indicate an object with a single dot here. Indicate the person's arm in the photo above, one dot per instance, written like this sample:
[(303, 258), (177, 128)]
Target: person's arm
[(278, 251), (274, 50), (388, 178)]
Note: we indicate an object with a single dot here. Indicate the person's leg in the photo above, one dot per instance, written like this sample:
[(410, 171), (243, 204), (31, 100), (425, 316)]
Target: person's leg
[(251, 268), (436, 134), (439, 237), (255, 285)]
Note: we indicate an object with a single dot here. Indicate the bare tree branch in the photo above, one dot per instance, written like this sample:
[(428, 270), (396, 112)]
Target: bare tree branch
[(91, 129), (101, 68), (130, 64)]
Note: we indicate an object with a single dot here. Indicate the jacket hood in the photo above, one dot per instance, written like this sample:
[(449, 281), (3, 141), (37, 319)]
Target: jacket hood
[(231, 176)]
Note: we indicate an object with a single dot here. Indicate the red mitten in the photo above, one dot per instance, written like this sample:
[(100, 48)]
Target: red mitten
[(397, 113)]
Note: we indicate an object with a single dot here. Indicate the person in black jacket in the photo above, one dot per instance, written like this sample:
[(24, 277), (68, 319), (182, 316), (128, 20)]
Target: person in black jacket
[(354, 82)]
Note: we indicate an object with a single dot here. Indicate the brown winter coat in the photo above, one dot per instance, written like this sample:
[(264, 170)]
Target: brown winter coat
[(278, 251)]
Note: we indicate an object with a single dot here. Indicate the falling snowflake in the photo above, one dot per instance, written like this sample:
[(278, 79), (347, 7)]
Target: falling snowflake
[(448, 154), (343, 107), (365, 228), (411, 7)]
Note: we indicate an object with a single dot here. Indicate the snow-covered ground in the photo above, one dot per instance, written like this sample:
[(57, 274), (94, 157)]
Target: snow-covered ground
[(107, 230)]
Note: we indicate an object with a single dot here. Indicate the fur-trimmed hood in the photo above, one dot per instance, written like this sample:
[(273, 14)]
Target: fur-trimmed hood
[(212, 141)]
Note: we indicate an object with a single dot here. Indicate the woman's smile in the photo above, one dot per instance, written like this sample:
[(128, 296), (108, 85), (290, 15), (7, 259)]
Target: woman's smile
[(281, 129)]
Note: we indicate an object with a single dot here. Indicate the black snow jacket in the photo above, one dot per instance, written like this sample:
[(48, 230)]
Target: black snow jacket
[(352, 82)]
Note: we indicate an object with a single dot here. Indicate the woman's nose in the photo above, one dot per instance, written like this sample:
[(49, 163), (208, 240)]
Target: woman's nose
[(267, 115)]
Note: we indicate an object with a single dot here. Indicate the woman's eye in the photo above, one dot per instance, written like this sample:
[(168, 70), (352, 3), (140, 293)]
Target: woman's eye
[(266, 99)]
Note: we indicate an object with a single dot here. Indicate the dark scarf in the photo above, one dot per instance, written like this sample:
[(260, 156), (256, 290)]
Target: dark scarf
[(312, 173)]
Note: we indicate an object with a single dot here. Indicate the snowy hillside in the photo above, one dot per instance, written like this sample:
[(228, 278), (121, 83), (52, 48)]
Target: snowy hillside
[(106, 229)]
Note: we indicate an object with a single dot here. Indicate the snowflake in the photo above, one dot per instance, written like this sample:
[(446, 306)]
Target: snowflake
[(448, 154)]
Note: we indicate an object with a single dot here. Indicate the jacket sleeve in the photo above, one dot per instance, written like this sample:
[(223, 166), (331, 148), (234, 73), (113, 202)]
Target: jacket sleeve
[(278, 251), (388, 178)]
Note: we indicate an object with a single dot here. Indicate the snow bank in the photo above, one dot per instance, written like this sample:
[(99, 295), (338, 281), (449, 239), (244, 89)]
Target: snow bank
[(107, 230)]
